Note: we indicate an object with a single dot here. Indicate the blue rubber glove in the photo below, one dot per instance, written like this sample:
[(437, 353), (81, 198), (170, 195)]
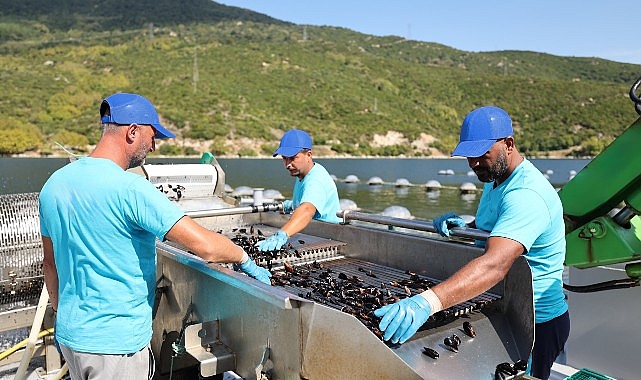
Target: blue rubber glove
[(443, 223), (261, 274), (402, 319), (288, 206), (273, 242)]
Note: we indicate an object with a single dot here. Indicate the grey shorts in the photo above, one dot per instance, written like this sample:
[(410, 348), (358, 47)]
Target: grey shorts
[(86, 366)]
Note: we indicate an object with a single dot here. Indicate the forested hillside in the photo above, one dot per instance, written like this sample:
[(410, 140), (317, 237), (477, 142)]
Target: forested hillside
[(232, 81)]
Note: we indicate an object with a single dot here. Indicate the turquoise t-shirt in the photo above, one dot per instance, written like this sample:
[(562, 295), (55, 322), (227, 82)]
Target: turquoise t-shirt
[(527, 209), (319, 189), (103, 222)]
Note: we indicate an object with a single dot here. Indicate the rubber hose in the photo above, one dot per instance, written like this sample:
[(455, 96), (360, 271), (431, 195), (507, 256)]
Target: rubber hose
[(18, 346)]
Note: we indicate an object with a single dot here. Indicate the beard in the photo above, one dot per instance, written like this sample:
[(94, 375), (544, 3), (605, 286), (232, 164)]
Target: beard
[(496, 171), (138, 158)]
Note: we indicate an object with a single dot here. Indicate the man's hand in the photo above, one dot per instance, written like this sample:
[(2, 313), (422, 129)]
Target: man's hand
[(274, 242), (443, 223), (288, 206), (261, 274), (402, 319)]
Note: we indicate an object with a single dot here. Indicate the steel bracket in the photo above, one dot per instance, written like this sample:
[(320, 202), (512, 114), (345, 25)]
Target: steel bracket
[(203, 343)]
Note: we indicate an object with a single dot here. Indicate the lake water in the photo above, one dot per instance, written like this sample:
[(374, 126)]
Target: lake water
[(22, 175)]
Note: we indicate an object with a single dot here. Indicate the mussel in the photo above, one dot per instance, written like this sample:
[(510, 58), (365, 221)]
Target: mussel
[(430, 352), (469, 330), (504, 370), (452, 342)]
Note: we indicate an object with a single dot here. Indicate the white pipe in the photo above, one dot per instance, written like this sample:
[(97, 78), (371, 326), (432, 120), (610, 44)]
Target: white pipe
[(33, 336), (63, 371)]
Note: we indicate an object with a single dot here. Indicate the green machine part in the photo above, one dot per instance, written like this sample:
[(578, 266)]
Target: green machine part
[(595, 235)]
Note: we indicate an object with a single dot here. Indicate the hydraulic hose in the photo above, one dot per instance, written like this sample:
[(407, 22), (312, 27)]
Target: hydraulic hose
[(18, 346), (635, 97), (607, 285)]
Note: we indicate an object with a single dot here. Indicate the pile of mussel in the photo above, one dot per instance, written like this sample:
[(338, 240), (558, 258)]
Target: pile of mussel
[(248, 237), (335, 284)]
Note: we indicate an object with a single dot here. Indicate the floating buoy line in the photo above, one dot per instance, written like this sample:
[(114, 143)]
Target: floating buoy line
[(467, 191)]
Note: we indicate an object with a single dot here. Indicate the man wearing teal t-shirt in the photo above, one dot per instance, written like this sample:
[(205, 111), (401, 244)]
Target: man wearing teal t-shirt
[(315, 195), (99, 225), (524, 216)]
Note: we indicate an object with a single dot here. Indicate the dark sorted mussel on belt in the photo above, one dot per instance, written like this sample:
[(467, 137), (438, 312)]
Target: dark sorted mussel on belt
[(504, 371), (430, 352), (452, 342), (469, 329)]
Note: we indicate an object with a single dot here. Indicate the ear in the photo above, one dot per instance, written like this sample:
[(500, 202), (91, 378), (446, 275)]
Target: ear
[(509, 142), (131, 132)]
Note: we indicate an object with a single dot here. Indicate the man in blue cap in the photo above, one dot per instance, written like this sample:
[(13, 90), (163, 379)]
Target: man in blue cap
[(524, 216), (99, 226), (315, 195)]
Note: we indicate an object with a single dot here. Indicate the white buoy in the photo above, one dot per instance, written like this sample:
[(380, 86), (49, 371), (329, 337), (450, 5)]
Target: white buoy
[(228, 188), (402, 182), (432, 185), (549, 172), (351, 178), (471, 173), (243, 191), (467, 187), (397, 212), (348, 204), (375, 181), (273, 194), (468, 218)]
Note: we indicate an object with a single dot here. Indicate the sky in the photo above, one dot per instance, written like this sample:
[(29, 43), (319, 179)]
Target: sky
[(572, 28)]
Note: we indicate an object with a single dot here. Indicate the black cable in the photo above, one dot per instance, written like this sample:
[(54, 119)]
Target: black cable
[(607, 285), (634, 97)]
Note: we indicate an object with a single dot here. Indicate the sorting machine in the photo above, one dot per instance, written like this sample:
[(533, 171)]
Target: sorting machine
[(316, 321), (210, 319)]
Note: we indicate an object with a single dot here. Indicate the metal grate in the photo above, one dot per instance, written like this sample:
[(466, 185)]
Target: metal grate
[(21, 276)]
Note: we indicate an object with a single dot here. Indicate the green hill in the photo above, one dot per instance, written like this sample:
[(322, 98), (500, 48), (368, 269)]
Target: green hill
[(231, 81)]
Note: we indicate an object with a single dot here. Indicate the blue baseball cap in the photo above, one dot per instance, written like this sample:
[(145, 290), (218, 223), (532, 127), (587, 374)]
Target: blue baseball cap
[(480, 130), (293, 141), (127, 108)]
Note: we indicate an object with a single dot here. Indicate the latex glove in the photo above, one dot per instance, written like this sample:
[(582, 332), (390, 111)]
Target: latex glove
[(261, 274), (288, 206), (273, 242), (402, 319), (443, 223)]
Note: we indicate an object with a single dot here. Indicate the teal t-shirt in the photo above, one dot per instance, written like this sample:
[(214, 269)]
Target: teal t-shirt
[(319, 189), (103, 222), (527, 209)]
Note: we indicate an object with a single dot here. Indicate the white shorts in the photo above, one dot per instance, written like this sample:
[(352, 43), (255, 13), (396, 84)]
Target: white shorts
[(87, 366)]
